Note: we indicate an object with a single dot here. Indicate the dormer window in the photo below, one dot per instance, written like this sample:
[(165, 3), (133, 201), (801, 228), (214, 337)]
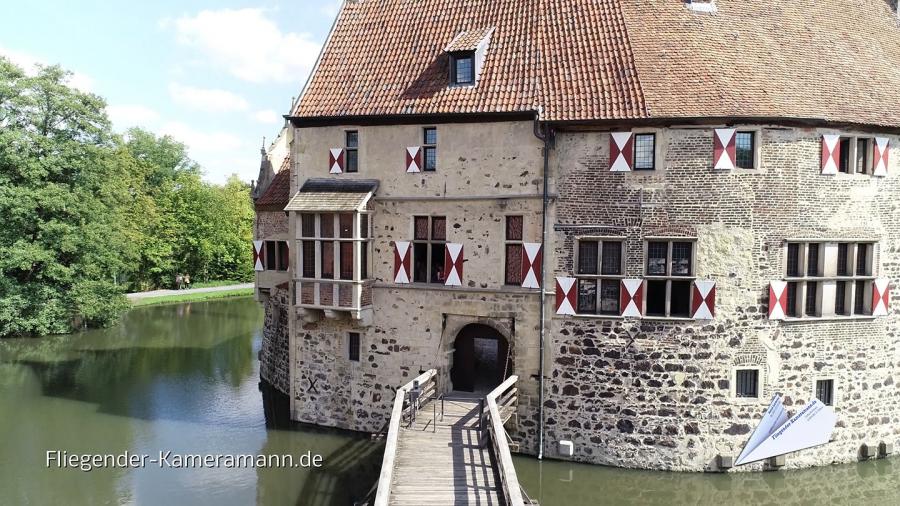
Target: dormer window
[(462, 68), (467, 52)]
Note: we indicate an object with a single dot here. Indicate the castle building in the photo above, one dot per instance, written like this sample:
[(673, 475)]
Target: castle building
[(657, 214)]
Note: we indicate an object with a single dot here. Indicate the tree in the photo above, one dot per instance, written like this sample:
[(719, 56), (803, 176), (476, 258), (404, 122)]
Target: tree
[(64, 240)]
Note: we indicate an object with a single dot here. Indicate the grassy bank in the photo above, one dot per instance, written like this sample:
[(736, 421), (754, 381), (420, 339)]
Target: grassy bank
[(192, 297)]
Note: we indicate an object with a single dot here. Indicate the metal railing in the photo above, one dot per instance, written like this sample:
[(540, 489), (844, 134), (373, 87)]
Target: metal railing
[(501, 405), (428, 385)]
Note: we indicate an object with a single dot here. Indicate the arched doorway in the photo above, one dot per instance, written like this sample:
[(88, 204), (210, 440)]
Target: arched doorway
[(481, 359)]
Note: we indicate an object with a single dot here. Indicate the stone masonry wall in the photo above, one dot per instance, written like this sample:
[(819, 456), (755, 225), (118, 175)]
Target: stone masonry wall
[(484, 172), (657, 393), (274, 353)]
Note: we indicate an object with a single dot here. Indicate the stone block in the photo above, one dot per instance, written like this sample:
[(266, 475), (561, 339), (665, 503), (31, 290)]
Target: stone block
[(726, 461), (566, 449)]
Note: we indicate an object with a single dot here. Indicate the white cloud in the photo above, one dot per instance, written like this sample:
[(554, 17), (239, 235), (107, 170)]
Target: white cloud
[(207, 99), (247, 44), (268, 117), (219, 153), (124, 116), (29, 63)]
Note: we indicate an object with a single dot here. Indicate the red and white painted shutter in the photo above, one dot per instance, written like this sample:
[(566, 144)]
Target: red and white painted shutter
[(621, 151), (724, 152), (703, 300), (336, 161), (258, 256), (777, 300), (831, 153), (881, 289), (880, 158), (631, 297), (402, 262), (565, 296), (414, 159), (531, 265), (453, 264)]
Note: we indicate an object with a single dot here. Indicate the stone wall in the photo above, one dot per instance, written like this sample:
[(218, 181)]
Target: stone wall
[(274, 358), (484, 173), (657, 393)]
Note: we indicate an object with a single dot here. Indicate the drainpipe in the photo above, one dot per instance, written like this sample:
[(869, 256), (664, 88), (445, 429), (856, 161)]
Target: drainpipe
[(543, 133)]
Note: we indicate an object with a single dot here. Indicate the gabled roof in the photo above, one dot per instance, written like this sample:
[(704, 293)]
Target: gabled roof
[(588, 60), (278, 193), (387, 57), (468, 41)]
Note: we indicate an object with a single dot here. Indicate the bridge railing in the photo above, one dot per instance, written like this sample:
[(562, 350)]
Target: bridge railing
[(501, 405), (402, 408)]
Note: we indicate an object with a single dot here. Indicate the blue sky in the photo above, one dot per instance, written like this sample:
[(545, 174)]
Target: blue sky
[(214, 75)]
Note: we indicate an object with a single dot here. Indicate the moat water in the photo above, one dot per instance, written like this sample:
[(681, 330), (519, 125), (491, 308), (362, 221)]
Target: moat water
[(184, 378)]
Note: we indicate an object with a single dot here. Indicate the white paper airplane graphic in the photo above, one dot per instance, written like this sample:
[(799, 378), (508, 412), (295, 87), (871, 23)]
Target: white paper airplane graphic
[(777, 435)]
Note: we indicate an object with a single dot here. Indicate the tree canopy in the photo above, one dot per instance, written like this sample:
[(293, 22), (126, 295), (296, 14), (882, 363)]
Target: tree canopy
[(89, 215)]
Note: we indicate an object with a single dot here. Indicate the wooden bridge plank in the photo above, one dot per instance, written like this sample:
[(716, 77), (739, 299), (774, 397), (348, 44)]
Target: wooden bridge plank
[(440, 461)]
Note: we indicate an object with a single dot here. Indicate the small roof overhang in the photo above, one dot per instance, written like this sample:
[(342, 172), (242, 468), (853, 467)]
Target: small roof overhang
[(333, 195)]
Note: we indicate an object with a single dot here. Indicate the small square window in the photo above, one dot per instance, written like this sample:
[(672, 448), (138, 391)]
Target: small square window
[(645, 152), (308, 224), (793, 260), (430, 136), (612, 258), (812, 259), (842, 255), (745, 150), (353, 350), (746, 383), (514, 228), (587, 257), (825, 391), (840, 298), (352, 139), (463, 68)]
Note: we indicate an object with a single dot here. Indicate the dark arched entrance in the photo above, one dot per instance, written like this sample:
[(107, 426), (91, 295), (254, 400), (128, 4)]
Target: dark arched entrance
[(481, 359)]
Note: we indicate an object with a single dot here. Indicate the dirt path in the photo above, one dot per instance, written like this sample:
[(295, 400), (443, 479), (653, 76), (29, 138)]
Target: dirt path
[(163, 293)]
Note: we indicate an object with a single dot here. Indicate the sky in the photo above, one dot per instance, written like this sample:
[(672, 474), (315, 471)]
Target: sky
[(215, 75)]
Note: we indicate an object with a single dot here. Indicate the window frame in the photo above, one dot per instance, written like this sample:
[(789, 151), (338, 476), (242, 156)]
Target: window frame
[(759, 383), (429, 147), (834, 389), (507, 242), (634, 165), (362, 268), (430, 243), (599, 277), (454, 70), (350, 346), (348, 149), (852, 154), (668, 277), (754, 149), (828, 275), (280, 262)]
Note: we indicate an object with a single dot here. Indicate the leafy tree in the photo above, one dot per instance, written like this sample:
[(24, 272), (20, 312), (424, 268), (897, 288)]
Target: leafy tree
[(61, 194)]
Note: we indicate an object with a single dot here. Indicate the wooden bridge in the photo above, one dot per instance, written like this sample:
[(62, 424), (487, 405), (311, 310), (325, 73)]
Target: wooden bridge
[(452, 450)]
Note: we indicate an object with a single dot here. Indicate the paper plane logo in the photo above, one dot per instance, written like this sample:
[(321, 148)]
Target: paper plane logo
[(776, 434)]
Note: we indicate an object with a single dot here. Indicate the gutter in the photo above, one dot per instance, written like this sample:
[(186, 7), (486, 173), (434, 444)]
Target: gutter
[(544, 133)]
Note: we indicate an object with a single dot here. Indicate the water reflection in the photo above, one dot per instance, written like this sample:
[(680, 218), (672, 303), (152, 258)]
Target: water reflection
[(182, 378), (185, 378), (553, 482)]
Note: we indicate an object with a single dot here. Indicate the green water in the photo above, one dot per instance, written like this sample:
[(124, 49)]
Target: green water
[(185, 378)]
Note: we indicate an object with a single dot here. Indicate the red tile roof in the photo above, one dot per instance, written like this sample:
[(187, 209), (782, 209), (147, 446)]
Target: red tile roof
[(278, 194), (468, 41), (615, 59)]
